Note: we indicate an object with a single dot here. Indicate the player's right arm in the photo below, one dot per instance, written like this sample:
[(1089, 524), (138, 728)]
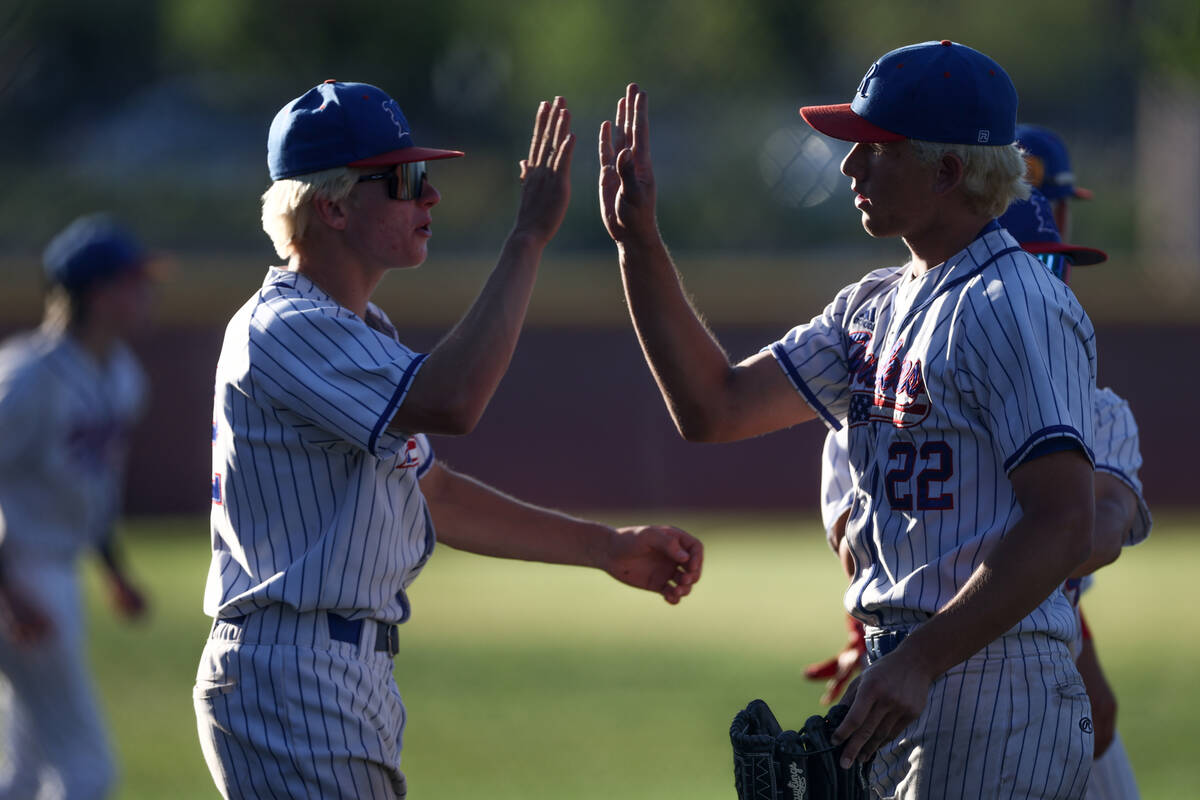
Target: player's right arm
[(459, 376), (710, 399)]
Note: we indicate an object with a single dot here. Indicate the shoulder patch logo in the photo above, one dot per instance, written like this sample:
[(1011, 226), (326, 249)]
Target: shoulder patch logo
[(411, 456)]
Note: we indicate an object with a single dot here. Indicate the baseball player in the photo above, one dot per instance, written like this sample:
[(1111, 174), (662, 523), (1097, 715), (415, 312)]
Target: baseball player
[(70, 392), (326, 495), (1049, 171), (968, 404), (1122, 516)]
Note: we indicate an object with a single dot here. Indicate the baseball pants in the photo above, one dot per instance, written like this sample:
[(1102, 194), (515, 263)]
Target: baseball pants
[(1013, 721), (53, 730), (284, 710)]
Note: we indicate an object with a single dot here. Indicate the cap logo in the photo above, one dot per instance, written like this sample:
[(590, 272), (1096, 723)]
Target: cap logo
[(862, 87), (984, 135), (393, 110)]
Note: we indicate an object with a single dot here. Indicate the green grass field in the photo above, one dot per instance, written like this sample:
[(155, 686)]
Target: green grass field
[(530, 681)]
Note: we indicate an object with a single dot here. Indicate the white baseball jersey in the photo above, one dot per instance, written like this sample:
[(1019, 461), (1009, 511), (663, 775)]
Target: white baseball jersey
[(318, 527), (1116, 449), (315, 501), (948, 381), (837, 487), (66, 418), (1118, 454)]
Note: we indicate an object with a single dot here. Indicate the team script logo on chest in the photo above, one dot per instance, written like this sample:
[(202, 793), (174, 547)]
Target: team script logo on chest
[(890, 390)]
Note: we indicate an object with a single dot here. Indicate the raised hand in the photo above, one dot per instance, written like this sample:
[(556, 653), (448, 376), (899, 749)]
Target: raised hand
[(658, 558), (627, 191), (545, 174)]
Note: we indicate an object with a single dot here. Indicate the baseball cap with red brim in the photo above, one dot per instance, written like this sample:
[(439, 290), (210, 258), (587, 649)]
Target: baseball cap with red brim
[(937, 91), (1031, 223), (339, 124)]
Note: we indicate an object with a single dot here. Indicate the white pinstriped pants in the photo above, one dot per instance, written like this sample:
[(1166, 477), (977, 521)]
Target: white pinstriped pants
[(284, 711), (1013, 721)]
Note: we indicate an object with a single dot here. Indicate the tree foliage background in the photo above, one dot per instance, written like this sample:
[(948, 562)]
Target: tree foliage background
[(158, 109)]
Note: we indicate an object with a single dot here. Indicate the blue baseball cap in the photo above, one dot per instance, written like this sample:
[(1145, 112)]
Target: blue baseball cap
[(1049, 164), (1031, 223), (92, 249), (933, 91), (338, 124)]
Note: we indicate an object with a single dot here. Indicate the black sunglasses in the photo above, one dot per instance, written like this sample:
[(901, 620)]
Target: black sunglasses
[(404, 181)]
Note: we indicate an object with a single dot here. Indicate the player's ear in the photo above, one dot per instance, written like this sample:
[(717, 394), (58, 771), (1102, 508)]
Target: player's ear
[(333, 213), (950, 173)]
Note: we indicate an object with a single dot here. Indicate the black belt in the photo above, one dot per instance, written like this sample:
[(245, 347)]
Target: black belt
[(880, 644), (387, 637)]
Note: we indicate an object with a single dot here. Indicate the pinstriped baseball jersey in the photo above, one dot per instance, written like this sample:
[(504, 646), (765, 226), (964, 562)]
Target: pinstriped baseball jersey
[(66, 419), (837, 488), (316, 503), (1118, 454), (948, 381)]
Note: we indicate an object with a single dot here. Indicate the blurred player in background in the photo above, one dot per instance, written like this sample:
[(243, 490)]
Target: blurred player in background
[(326, 493), (1122, 517), (1048, 169), (70, 392)]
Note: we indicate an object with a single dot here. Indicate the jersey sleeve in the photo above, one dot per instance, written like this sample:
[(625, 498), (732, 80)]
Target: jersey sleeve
[(1118, 453), (814, 358), (1030, 377), (333, 370)]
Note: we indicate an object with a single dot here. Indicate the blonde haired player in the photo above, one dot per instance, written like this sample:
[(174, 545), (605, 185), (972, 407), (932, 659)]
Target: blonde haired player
[(970, 430), (327, 499)]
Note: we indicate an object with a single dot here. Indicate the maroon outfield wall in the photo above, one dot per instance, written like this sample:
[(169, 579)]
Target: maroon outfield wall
[(578, 423)]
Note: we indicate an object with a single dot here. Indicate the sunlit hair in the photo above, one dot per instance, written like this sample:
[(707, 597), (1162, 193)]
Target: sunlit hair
[(993, 177), (287, 205), (63, 309)]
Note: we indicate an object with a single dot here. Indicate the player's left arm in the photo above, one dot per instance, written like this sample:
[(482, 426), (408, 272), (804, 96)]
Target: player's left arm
[(1116, 507), (470, 515), (1035, 556)]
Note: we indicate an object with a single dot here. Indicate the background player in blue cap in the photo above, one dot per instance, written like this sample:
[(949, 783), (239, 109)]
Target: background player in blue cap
[(1122, 516), (969, 407), (70, 392), (326, 494), (1048, 169)]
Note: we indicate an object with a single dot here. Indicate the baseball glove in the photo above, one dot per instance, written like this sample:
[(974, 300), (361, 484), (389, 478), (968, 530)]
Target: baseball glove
[(770, 763)]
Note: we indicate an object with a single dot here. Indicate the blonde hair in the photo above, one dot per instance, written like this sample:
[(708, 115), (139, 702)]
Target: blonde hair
[(993, 177), (62, 309), (287, 204)]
